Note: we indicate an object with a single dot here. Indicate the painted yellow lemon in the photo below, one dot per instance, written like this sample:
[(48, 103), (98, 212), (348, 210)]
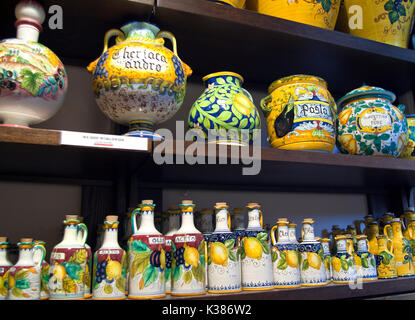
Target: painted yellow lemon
[(242, 104), (349, 142), (191, 256), (108, 289), (336, 263), (292, 259), (113, 269), (314, 260), (253, 248), (69, 285), (12, 282), (357, 260), (219, 253), (344, 116), (162, 259), (59, 272)]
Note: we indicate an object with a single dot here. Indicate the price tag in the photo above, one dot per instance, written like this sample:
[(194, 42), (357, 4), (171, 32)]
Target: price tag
[(84, 139)]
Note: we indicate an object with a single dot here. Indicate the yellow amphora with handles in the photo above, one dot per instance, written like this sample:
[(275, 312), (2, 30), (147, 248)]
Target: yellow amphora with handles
[(138, 82), (401, 248), (385, 259)]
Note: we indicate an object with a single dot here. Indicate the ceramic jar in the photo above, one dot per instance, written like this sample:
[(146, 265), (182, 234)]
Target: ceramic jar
[(365, 261), (240, 4), (224, 263), (110, 265), (189, 261), (139, 82), (343, 264), (38, 256), (5, 265), (325, 243), (225, 112), (174, 225), (408, 151), (147, 259), (257, 273), (385, 259), (386, 21), (284, 257), (319, 13), (204, 221), (237, 219), (300, 114), (312, 268), (33, 81), (369, 124), (24, 280)]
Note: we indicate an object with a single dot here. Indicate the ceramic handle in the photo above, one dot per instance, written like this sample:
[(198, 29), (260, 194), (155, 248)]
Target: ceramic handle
[(82, 227), (41, 248), (170, 36), (274, 241), (112, 33), (261, 220), (134, 219), (229, 219), (389, 245), (385, 230), (263, 103)]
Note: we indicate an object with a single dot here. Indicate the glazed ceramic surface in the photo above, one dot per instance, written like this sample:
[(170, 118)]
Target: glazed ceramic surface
[(300, 114), (224, 109), (139, 82), (88, 266), (292, 232), (372, 233), (204, 221), (325, 242), (5, 265), (365, 261), (234, 3), (385, 259), (38, 256), (369, 124), (343, 264), (408, 151), (174, 225), (33, 81)]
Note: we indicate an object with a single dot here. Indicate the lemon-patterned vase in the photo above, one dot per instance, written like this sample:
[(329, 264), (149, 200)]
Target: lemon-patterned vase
[(24, 278), (385, 259), (189, 256), (255, 251), (5, 265), (110, 265), (224, 264), (284, 258), (147, 258), (312, 268), (343, 263), (325, 242), (139, 82), (365, 261), (174, 225), (409, 149), (225, 112), (37, 256), (300, 114), (369, 124)]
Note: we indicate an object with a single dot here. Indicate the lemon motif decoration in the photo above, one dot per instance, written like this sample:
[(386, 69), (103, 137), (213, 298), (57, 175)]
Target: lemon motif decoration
[(219, 253), (59, 272), (314, 260), (162, 259), (108, 289), (292, 259), (243, 104), (69, 285), (349, 142), (191, 256), (336, 263), (358, 261), (113, 269), (253, 248)]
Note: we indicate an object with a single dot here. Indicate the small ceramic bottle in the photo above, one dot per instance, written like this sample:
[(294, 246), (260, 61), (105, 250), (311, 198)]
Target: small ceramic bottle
[(88, 265), (206, 219), (174, 225), (24, 281), (147, 259), (224, 264), (284, 257), (344, 266), (406, 219), (237, 219), (292, 233), (110, 265), (189, 262), (372, 231), (5, 265), (365, 261), (325, 242), (312, 269), (385, 259), (68, 262), (37, 255), (257, 273)]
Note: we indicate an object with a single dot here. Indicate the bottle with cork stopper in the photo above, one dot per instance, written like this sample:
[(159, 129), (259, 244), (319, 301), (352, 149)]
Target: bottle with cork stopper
[(5, 265), (344, 265)]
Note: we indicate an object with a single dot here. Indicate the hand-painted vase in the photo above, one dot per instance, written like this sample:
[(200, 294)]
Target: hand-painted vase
[(174, 225), (385, 259), (369, 124), (284, 258), (24, 281), (312, 268), (68, 262), (237, 219), (147, 258), (224, 264), (365, 261), (257, 273), (225, 112), (300, 114), (343, 263), (139, 82), (33, 81), (5, 265), (408, 151), (37, 256), (189, 260), (325, 242), (110, 265)]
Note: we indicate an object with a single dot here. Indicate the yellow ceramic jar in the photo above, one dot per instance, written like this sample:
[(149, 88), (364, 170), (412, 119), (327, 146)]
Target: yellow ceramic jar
[(386, 21), (300, 114), (318, 13), (234, 3)]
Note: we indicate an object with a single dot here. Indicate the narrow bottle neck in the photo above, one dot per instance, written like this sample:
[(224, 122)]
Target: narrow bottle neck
[(188, 219), (146, 221), (174, 222), (222, 220), (254, 221), (326, 247), (110, 238), (341, 246), (308, 232), (25, 257), (283, 235), (292, 234), (3, 256), (71, 233), (27, 32), (362, 245)]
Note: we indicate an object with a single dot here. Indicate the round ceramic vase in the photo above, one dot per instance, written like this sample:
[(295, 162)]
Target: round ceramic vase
[(408, 151), (285, 261), (385, 259), (139, 82), (369, 124), (225, 112), (5, 265), (365, 261), (300, 114), (343, 264), (325, 242)]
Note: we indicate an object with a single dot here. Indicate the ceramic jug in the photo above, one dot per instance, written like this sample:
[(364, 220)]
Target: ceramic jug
[(408, 216), (110, 265), (385, 259), (189, 260), (237, 219), (33, 80), (68, 262), (367, 220), (409, 149), (325, 242), (284, 257), (24, 280), (5, 265), (401, 248), (365, 261), (37, 256), (225, 112), (174, 225), (410, 235), (139, 82), (372, 231), (147, 258), (224, 264), (343, 263), (386, 219), (312, 268)]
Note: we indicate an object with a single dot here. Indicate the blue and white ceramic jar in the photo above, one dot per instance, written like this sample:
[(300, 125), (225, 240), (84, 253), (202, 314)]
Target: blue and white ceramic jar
[(344, 266), (365, 261), (325, 242)]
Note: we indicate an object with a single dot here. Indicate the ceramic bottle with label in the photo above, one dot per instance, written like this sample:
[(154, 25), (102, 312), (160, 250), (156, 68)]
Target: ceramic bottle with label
[(385, 259), (344, 266), (37, 256), (365, 261), (189, 262), (284, 257), (174, 225), (147, 259), (257, 273), (312, 268), (68, 262), (224, 264), (325, 242), (5, 265), (110, 265), (24, 281)]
